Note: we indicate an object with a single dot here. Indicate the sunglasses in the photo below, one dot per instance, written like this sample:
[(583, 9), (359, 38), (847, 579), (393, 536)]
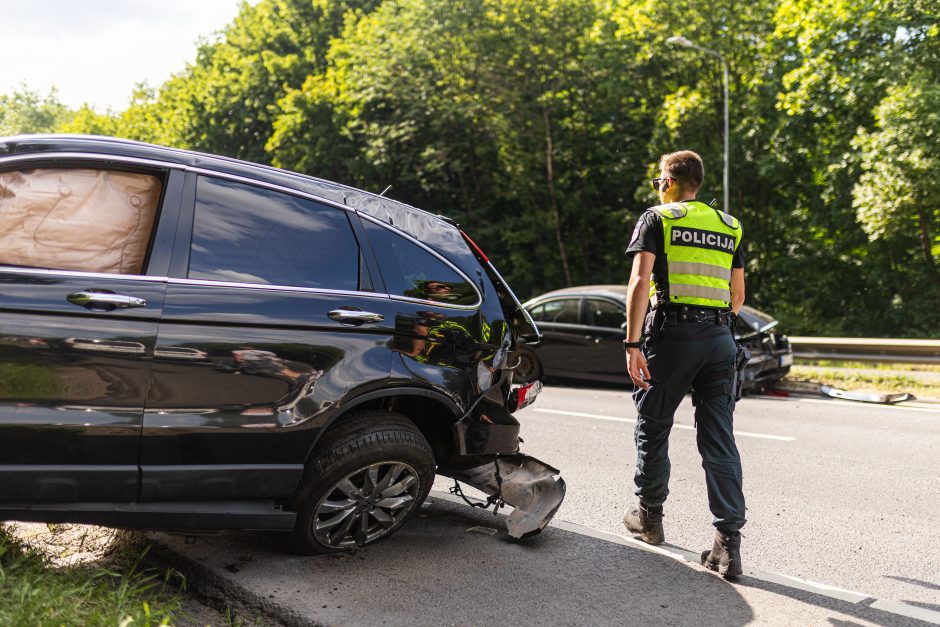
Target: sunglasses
[(657, 184)]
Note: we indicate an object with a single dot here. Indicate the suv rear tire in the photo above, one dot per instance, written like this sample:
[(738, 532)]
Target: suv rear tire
[(367, 476)]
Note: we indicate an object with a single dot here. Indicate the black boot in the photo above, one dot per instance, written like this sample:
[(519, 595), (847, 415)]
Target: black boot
[(646, 522), (725, 556)]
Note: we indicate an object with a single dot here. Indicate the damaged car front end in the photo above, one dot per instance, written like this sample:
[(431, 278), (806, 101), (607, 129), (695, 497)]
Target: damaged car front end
[(770, 352)]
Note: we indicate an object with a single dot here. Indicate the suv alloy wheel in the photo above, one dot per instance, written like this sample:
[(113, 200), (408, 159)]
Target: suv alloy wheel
[(368, 476)]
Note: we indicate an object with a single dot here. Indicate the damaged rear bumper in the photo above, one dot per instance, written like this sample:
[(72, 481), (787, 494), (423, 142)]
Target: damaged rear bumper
[(533, 488), (488, 459)]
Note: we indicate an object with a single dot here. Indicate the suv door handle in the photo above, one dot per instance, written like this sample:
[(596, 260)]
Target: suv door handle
[(355, 316), (91, 298)]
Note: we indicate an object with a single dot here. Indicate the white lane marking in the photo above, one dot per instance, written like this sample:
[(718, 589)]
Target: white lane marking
[(596, 416), (808, 586), (857, 404), (748, 434), (911, 611)]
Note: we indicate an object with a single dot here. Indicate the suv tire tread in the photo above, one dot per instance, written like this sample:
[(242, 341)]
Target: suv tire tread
[(363, 438)]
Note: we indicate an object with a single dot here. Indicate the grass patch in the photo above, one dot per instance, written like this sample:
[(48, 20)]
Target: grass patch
[(859, 365), (115, 593), (862, 380)]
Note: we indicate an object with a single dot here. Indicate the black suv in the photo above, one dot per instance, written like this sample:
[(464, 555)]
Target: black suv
[(190, 341)]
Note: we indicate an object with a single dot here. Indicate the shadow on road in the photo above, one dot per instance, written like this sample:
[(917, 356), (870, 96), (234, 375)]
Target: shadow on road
[(859, 611), (448, 567), (455, 565)]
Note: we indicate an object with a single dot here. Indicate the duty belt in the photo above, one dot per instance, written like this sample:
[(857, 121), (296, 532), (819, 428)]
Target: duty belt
[(698, 315)]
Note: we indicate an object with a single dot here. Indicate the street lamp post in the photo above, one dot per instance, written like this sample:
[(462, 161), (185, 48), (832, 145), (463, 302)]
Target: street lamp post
[(685, 43)]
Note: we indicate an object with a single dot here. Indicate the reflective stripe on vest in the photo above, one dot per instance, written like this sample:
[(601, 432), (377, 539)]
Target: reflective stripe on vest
[(699, 246), (703, 269), (699, 291)]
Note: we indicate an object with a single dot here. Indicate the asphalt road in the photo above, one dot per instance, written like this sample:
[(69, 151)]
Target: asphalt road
[(454, 565), (842, 493), (842, 501)]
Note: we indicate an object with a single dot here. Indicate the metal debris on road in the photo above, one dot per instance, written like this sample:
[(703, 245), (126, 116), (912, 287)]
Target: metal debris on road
[(811, 387)]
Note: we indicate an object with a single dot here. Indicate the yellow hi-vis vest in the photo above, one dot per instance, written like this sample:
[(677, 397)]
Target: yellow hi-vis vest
[(699, 245)]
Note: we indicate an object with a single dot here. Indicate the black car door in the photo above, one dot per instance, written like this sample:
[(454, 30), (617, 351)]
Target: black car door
[(607, 319), (270, 322), (566, 344), (83, 253)]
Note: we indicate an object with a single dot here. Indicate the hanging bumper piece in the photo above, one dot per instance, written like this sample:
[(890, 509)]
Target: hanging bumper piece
[(534, 489)]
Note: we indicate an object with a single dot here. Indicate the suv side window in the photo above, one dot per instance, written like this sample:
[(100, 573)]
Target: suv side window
[(246, 234), (410, 270), (84, 219), (563, 310), (605, 313)]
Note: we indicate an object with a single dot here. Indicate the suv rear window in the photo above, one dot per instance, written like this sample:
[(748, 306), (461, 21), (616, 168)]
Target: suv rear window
[(246, 234), (410, 270), (89, 220)]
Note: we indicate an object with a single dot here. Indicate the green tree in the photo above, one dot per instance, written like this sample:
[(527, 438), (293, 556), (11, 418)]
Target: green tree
[(805, 76), (686, 107), (897, 195), (519, 119), (843, 57), (536, 124), (86, 121), (227, 100), (26, 111)]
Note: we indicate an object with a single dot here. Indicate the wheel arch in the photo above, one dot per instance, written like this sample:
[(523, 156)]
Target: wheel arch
[(432, 412)]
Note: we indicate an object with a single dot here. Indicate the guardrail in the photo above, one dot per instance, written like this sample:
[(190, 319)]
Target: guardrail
[(867, 349)]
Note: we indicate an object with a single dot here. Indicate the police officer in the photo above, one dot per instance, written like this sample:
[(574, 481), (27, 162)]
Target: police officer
[(694, 254)]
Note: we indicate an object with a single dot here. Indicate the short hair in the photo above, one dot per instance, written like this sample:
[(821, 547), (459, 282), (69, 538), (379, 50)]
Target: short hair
[(686, 167)]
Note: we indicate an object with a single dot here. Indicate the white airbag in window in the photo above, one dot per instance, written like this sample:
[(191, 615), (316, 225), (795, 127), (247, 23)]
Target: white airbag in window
[(86, 220)]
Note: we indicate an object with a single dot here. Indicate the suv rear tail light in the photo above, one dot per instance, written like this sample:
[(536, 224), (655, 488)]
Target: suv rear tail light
[(523, 396)]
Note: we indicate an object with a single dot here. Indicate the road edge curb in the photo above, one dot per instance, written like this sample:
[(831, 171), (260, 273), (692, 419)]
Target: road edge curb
[(219, 592)]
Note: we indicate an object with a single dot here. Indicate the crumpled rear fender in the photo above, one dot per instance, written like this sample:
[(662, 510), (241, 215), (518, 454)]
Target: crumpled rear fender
[(533, 488)]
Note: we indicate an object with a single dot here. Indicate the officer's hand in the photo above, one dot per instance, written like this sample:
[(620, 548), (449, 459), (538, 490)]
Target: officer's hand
[(637, 368)]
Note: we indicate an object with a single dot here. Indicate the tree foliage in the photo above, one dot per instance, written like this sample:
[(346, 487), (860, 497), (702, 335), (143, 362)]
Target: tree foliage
[(536, 124), (26, 111)]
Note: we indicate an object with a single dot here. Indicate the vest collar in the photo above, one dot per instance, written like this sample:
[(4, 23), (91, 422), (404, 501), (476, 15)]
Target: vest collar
[(677, 210)]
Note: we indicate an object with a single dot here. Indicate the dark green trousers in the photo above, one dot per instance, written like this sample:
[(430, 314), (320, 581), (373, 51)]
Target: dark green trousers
[(683, 356)]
